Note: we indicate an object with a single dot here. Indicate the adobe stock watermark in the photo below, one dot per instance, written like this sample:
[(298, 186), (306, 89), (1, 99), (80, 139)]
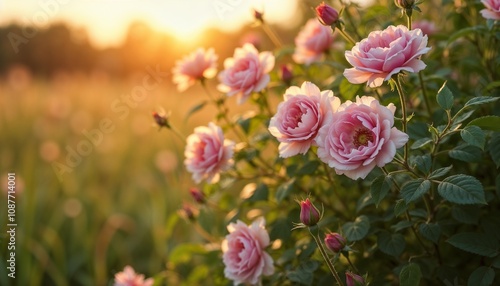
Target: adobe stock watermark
[(222, 7), (121, 108), (39, 19)]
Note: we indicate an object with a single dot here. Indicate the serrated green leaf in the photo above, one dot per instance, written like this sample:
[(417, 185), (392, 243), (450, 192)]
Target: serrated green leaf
[(410, 275), (444, 97), (440, 172), (466, 153), (358, 229), (404, 224), (480, 100), (391, 243), (462, 189), (423, 162), (379, 188), (309, 168), (414, 190), (348, 90), (364, 201), (400, 207), (261, 193), (462, 116), (494, 148), (482, 276), (284, 190), (474, 136), (490, 122), (474, 242), (420, 143), (430, 231)]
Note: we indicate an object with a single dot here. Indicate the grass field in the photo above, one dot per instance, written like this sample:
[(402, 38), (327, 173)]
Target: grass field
[(81, 221)]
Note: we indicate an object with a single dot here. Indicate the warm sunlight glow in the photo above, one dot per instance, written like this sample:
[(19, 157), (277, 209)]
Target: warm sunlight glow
[(107, 21)]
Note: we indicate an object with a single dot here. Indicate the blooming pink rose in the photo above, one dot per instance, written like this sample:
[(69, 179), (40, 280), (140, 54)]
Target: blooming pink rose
[(359, 136), (208, 153), (427, 27), (244, 255), (312, 41), (198, 65), (246, 72), (129, 278), (492, 10), (300, 116), (385, 53)]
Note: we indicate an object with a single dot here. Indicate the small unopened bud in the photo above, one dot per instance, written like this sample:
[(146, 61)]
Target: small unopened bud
[(405, 4), (335, 242), (161, 120), (258, 16), (309, 214), (197, 195), (286, 74), (327, 15), (188, 212), (352, 279)]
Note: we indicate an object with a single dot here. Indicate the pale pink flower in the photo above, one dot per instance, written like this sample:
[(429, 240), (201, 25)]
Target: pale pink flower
[(246, 72), (300, 116), (243, 252), (208, 153), (359, 136), (492, 10), (386, 53), (196, 66), (129, 278), (312, 42), (427, 27)]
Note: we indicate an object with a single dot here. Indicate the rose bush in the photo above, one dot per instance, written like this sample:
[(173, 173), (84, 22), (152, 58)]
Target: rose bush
[(396, 176)]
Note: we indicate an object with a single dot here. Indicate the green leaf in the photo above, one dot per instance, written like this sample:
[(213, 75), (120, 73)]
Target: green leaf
[(440, 172), (490, 122), (392, 244), (474, 242), (415, 189), (309, 168), (304, 273), (379, 188), (261, 193), (358, 229), (404, 224), (410, 275), (494, 146), (195, 109), (400, 207), (480, 100), (423, 162), (474, 136), (348, 90), (482, 276), (466, 214), (445, 97), (464, 32), (466, 153), (420, 143), (430, 231), (184, 252), (284, 190), (462, 189)]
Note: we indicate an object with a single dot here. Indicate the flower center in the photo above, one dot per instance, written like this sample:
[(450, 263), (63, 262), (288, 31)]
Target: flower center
[(362, 136)]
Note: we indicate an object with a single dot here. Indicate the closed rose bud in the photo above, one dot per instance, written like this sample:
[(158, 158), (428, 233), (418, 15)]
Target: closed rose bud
[(352, 279), (161, 120), (309, 214), (286, 74), (335, 242), (197, 195), (259, 16), (404, 4), (327, 15), (188, 212)]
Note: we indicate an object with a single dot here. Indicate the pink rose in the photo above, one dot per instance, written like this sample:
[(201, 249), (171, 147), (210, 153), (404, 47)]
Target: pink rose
[(129, 278), (208, 153), (198, 65), (312, 41), (246, 72), (427, 27), (300, 116), (359, 136), (385, 53), (492, 10), (243, 252)]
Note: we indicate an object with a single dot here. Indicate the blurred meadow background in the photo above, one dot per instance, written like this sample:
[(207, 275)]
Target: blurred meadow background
[(65, 68)]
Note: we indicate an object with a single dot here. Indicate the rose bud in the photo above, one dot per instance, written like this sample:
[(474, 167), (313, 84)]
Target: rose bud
[(352, 279), (188, 212), (309, 214), (258, 16), (327, 15), (335, 242), (404, 4), (286, 74), (161, 120), (197, 195)]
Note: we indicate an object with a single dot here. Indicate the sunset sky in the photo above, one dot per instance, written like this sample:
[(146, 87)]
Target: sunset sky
[(106, 21)]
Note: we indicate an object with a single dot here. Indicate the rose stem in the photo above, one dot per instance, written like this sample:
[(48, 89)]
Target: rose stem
[(325, 257), (403, 111), (346, 36), (424, 93)]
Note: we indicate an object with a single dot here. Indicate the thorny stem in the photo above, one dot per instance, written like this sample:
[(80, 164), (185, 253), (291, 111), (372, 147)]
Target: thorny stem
[(325, 257), (403, 111), (330, 180), (350, 263), (272, 35), (346, 36), (424, 93)]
